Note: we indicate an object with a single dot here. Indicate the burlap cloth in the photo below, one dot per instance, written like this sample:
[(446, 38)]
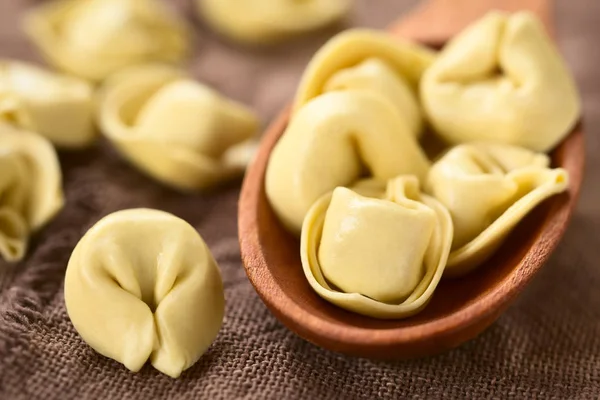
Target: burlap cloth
[(546, 346)]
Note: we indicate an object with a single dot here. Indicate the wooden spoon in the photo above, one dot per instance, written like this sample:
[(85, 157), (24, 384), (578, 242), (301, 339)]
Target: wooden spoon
[(460, 308)]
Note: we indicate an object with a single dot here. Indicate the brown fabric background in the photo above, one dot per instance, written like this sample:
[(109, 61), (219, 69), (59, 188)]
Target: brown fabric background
[(546, 346)]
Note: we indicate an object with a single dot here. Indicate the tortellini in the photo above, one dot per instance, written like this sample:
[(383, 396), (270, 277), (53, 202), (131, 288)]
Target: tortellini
[(270, 21), (330, 142), (379, 256), (488, 188), (376, 75), (95, 38), (355, 112), (347, 172), (175, 129), (363, 59), (56, 106), (30, 188), (142, 284), (501, 80)]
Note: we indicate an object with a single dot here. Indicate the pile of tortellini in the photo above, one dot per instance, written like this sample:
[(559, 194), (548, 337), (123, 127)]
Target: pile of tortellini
[(141, 284), (380, 219), (119, 73)]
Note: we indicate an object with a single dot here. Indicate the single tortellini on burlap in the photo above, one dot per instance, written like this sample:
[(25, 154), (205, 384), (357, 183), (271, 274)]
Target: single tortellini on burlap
[(488, 189), (363, 59), (379, 252), (270, 21), (142, 284), (334, 140), (94, 38), (30, 188), (502, 80), (176, 129), (57, 106)]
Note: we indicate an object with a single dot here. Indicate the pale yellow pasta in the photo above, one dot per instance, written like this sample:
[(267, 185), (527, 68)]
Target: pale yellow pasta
[(488, 189), (502, 80), (94, 38), (142, 285), (56, 106), (369, 60), (377, 76), (380, 256), (270, 21), (176, 129), (355, 112), (30, 188), (332, 141)]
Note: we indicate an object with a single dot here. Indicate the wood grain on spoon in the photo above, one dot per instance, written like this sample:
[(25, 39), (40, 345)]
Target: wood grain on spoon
[(460, 308)]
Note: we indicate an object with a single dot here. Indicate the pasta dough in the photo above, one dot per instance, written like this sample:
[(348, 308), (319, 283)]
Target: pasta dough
[(142, 284), (269, 21), (488, 188), (355, 112), (56, 106), (501, 80), (364, 59), (95, 38), (332, 141), (30, 188), (175, 129), (378, 256)]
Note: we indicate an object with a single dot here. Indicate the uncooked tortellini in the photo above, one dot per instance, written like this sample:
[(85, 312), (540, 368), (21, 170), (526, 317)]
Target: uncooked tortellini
[(56, 106), (355, 112), (142, 284), (94, 38), (333, 141), (488, 189), (177, 130), (501, 80), (378, 256), (363, 59), (30, 188), (268, 21)]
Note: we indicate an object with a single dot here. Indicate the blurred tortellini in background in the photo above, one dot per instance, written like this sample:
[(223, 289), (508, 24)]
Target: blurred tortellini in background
[(175, 129), (94, 38), (30, 188), (270, 21), (57, 106)]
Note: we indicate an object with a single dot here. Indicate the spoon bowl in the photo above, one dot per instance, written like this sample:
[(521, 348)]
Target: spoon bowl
[(460, 308)]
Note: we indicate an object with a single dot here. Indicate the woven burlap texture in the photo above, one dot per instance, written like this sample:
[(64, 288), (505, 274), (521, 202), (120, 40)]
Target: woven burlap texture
[(547, 345)]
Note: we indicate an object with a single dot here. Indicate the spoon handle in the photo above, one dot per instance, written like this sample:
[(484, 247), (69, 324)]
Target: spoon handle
[(433, 22)]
